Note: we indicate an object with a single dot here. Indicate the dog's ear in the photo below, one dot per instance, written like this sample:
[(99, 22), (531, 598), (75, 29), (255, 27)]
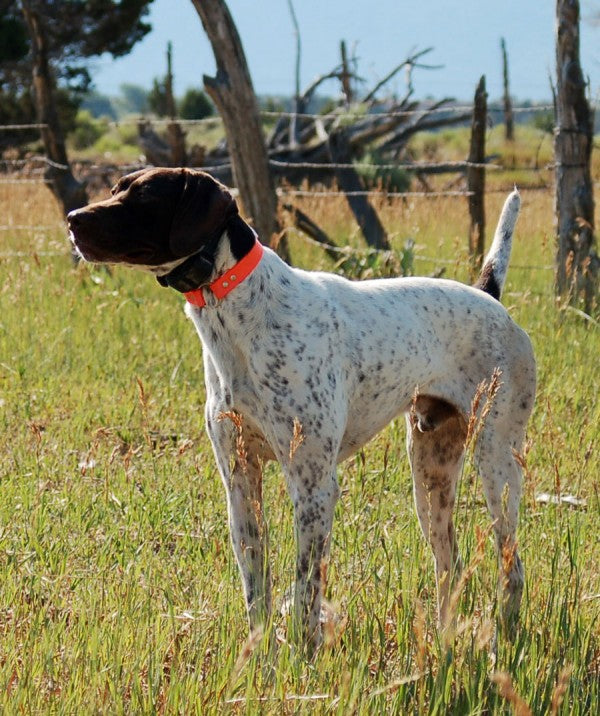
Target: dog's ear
[(125, 181), (203, 210)]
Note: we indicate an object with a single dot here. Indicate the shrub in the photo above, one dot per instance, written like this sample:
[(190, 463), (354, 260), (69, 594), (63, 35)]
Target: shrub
[(195, 105), (544, 121), (88, 129)]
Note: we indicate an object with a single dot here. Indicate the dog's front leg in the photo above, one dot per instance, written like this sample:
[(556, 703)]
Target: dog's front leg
[(241, 473), (314, 491)]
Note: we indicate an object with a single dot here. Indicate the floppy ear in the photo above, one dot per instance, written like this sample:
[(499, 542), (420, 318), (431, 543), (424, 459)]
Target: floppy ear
[(126, 180), (203, 210)]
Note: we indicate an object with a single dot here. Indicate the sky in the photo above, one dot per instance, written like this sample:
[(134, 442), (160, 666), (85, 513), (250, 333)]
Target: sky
[(465, 35)]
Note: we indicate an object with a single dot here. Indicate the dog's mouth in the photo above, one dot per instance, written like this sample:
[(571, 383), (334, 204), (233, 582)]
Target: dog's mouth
[(86, 252), (90, 251)]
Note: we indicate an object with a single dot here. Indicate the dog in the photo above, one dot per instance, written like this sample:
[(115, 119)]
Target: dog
[(306, 367)]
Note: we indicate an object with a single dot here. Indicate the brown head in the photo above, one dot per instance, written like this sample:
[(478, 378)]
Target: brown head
[(154, 217)]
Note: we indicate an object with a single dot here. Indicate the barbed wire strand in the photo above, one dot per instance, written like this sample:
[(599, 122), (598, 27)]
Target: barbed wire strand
[(455, 109), (342, 250)]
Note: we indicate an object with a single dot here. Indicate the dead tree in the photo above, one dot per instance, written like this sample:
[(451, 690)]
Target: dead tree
[(233, 94), (157, 150), (69, 192), (476, 178), (509, 125), (303, 146), (576, 259), (350, 183)]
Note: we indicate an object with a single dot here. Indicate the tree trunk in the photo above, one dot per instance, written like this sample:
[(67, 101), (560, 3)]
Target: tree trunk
[(509, 126), (70, 193), (576, 258), (304, 223), (233, 94), (349, 182), (476, 178)]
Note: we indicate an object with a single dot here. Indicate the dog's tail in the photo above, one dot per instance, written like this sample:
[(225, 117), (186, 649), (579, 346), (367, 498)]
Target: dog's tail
[(493, 274)]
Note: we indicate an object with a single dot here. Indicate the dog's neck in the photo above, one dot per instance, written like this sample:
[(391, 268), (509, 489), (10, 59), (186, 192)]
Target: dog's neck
[(216, 256), (236, 242)]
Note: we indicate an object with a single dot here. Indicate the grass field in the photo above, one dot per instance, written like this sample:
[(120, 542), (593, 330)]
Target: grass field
[(118, 589)]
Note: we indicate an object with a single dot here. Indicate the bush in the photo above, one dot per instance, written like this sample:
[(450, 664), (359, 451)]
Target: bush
[(544, 121), (88, 130), (195, 105)]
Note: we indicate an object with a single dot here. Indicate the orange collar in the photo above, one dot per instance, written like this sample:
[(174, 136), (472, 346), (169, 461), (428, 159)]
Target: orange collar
[(225, 283)]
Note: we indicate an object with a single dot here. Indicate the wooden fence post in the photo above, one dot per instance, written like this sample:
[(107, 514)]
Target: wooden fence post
[(509, 126), (577, 262), (476, 178), (232, 92)]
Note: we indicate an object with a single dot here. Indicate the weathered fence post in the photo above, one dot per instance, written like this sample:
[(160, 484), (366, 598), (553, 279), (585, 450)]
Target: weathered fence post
[(346, 75), (476, 178), (509, 126), (576, 259), (232, 92)]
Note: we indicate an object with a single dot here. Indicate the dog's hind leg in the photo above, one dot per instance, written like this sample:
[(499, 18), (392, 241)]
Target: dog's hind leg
[(501, 477), (436, 458)]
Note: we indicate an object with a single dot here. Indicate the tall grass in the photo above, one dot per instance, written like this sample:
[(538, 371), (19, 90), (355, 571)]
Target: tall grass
[(118, 589)]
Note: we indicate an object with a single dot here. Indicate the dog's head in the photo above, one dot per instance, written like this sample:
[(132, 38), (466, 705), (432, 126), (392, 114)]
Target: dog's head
[(154, 217)]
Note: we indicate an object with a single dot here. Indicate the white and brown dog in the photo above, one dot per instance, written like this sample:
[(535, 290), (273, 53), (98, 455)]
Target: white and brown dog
[(310, 366)]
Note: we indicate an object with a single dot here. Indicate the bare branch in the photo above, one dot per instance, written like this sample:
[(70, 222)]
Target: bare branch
[(408, 61)]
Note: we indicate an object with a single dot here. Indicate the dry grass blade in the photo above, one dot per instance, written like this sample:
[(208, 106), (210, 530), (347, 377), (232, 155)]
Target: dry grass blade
[(240, 445), (490, 391), (420, 636), (248, 649), (467, 573), (507, 691), (396, 684), (560, 689)]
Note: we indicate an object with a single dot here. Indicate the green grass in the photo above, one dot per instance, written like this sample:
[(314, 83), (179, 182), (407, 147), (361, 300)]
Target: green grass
[(118, 589)]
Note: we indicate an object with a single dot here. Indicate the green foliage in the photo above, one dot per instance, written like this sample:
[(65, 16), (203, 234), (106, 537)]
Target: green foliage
[(544, 121), (87, 130), (371, 263), (17, 108), (13, 38), (78, 30), (195, 104), (73, 32)]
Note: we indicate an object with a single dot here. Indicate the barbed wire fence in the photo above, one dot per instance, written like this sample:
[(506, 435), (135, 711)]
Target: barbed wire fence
[(31, 170)]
